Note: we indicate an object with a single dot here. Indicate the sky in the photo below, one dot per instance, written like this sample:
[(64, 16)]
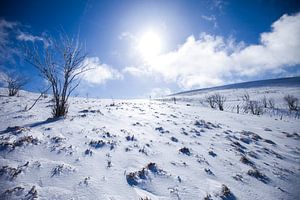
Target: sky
[(140, 48)]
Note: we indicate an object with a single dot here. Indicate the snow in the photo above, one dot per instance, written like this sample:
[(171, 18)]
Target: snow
[(88, 154)]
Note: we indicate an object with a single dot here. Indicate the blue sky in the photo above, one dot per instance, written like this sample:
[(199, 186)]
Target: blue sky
[(195, 44)]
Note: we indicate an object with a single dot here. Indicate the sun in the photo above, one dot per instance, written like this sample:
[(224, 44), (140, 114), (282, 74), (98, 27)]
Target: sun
[(150, 44)]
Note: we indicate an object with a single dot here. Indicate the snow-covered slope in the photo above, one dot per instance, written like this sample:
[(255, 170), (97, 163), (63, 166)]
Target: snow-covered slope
[(271, 90), (141, 149)]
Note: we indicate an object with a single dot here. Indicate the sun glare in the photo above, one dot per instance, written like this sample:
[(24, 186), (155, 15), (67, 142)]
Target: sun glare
[(150, 44)]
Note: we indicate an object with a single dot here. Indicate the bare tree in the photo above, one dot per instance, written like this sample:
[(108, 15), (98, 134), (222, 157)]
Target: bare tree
[(219, 100), (255, 107), (60, 63), (246, 97), (292, 102), (271, 103), (216, 100), (264, 102), (210, 100), (14, 82)]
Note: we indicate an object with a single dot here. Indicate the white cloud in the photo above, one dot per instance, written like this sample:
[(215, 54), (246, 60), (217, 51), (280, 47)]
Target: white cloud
[(137, 71), (28, 37), (159, 92), (100, 72), (212, 19), (6, 50), (277, 49), (212, 60)]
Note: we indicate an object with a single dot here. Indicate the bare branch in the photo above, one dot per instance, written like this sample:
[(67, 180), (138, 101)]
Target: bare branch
[(60, 64)]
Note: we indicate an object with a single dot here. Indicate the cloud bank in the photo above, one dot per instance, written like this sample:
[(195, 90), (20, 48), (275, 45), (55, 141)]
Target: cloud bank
[(100, 72), (213, 60)]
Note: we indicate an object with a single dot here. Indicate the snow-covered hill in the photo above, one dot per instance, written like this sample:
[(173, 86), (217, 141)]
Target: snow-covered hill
[(142, 149), (271, 90)]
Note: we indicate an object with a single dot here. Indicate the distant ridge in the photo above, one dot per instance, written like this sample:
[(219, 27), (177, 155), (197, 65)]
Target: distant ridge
[(279, 82)]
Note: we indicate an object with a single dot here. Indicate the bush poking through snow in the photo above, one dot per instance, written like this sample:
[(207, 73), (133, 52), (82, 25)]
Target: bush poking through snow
[(258, 175), (211, 153), (226, 193), (292, 102), (185, 151), (255, 107), (11, 172), (216, 100), (16, 191), (203, 124), (271, 103), (264, 102), (32, 194), (152, 167), (15, 130), (246, 161), (26, 139), (208, 171), (246, 97), (134, 178), (18, 143), (207, 197), (57, 139), (145, 198), (220, 100), (19, 192), (211, 102), (97, 143), (88, 152), (130, 138), (14, 82), (161, 130), (59, 169), (174, 139), (252, 135)]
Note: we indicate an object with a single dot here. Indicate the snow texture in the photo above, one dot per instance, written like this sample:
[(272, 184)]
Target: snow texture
[(142, 149)]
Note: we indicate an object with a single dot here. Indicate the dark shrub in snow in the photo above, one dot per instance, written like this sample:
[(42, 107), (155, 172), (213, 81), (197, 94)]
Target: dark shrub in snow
[(185, 150), (152, 167), (258, 175), (134, 178), (292, 102), (130, 138), (246, 161), (97, 144), (211, 153), (174, 139), (226, 193)]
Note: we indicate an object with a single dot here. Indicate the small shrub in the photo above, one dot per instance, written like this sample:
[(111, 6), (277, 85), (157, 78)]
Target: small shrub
[(185, 151), (14, 82), (271, 103), (258, 175), (210, 100), (254, 107), (220, 100), (174, 139), (32, 194), (216, 100), (97, 144), (292, 102), (246, 161), (246, 97), (225, 192), (211, 153), (264, 102)]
